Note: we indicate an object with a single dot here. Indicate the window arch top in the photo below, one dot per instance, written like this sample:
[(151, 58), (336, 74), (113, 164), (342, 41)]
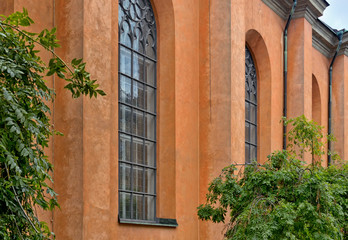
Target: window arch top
[(137, 26)]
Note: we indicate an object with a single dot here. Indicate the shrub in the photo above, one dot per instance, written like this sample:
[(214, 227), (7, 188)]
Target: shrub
[(283, 198)]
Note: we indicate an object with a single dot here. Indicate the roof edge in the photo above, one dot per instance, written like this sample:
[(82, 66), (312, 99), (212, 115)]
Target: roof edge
[(324, 38)]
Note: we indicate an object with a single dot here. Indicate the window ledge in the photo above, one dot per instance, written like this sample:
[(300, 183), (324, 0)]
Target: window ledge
[(159, 222)]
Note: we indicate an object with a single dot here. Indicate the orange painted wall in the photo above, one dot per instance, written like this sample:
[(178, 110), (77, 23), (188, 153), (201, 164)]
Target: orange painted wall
[(201, 107), (339, 105), (320, 66)]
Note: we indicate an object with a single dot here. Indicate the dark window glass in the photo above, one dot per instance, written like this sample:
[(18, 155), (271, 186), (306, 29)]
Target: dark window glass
[(137, 110), (250, 108)]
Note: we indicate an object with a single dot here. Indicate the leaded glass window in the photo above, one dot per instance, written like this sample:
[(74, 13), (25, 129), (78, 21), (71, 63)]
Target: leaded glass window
[(250, 108), (137, 110)]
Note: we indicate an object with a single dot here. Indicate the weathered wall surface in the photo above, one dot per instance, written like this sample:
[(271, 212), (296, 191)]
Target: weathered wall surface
[(216, 96), (201, 107), (340, 106), (320, 66)]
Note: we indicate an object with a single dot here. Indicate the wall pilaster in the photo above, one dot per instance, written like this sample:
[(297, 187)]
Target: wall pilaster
[(340, 106), (68, 149), (222, 93)]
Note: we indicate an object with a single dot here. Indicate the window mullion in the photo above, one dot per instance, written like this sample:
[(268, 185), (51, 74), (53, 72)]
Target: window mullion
[(142, 145), (251, 100)]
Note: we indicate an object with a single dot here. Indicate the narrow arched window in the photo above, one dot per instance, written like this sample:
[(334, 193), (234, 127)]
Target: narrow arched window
[(250, 108), (137, 110)]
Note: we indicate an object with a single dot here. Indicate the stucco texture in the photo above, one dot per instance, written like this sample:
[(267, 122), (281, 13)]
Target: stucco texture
[(201, 106)]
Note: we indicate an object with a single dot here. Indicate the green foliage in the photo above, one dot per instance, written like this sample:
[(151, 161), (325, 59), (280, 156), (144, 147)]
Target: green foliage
[(25, 124), (284, 198)]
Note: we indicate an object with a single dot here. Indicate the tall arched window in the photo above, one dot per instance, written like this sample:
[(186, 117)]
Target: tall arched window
[(137, 110), (250, 108)]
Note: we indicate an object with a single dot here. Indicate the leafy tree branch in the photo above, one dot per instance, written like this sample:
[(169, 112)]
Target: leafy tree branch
[(25, 127), (284, 198)]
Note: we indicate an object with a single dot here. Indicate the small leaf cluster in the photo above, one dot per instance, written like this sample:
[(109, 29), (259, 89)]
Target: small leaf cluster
[(25, 126), (283, 198)]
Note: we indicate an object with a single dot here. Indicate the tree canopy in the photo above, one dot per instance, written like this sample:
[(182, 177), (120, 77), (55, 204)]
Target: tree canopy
[(285, 198)]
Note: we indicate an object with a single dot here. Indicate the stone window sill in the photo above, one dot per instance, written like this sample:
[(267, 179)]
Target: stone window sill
[(159, 222)]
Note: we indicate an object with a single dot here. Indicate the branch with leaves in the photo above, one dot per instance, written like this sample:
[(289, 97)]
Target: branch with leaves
[(25, 127), (283, 198)]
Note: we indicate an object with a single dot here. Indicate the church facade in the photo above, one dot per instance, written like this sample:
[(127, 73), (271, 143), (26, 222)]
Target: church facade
[(192, 86)]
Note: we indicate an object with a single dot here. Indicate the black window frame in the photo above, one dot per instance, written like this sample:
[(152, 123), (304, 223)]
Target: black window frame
[(146, 22), (251, 101)]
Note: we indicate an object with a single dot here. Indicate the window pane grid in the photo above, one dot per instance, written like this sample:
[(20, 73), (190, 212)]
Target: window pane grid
[(250, 144), (138, 165), (141, 54), (251, 102), (137, 110), (139, 193), (136, 80), (134, 135), (250, 108), (250, 123)]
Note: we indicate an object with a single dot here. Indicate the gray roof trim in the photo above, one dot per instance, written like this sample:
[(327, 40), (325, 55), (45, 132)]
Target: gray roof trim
[(324, 38), (311, 9), (280, 7), (344, 47)]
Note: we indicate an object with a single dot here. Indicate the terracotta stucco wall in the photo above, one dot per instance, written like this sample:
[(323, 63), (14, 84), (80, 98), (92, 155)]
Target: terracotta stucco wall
[(201, 107), (320, 69), (270, 27), (218, 57), (224, 32), (340, 106)]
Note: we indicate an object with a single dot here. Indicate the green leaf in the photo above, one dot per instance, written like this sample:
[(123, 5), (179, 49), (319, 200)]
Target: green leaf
[(26, 125), (76, 61)]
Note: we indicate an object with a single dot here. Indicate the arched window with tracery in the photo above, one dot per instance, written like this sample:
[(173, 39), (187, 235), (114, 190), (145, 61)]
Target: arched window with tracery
[(250, 108), (137, 110)]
